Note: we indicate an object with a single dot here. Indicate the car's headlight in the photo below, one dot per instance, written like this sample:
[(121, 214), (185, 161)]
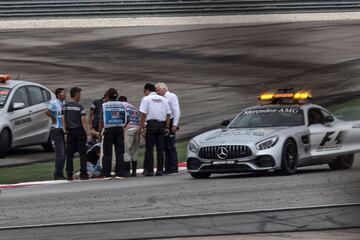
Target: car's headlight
[(267, 143), (193, 147)]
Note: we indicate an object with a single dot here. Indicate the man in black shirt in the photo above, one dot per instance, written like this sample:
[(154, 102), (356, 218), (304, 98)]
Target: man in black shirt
[(94, 116), (75, 127)]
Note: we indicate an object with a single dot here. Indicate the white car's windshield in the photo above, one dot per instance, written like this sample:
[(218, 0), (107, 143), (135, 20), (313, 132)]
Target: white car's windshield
[(269, 117), (4, 92)]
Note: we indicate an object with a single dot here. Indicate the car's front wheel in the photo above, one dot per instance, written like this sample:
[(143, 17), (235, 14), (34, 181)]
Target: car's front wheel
[(342, 162), (49, 146), (200, 175), (289, 160), (4, 143)]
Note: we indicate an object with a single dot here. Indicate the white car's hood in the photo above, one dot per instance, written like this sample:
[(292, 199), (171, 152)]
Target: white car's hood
[(237, 136), (1, 111)]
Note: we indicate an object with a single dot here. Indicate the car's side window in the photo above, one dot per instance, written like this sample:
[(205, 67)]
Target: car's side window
[(21, 96), (36, 95), (315, 116), (46, 95)]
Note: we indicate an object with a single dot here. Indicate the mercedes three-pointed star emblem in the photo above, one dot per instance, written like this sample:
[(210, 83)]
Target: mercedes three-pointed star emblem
[(222, 153)]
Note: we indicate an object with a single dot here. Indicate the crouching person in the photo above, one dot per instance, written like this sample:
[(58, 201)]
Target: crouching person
[(131, 136)]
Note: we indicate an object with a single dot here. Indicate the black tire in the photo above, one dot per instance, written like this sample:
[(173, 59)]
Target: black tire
[(289, 158), (200, 175), (49, 146), (342, 162), (5, 142)]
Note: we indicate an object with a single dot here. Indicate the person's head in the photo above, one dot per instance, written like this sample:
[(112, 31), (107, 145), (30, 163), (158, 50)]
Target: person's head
[(111, 94), (75, 93), (149, 88), (122, 99), (161, 88), (60, 94)]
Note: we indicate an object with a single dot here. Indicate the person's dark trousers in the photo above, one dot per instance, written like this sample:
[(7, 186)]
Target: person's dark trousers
[(113, 136), (57, 135), (171, 160), (155, 136), (76, 141)]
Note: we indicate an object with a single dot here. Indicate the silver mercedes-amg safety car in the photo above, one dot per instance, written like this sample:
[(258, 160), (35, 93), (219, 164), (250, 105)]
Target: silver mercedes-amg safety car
[(284, 134)]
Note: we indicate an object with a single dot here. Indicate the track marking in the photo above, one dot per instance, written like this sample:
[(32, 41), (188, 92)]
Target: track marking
[(177, 217)]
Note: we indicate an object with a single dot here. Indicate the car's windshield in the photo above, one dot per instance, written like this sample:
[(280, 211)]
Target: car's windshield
[(269, 117), (4, 92)]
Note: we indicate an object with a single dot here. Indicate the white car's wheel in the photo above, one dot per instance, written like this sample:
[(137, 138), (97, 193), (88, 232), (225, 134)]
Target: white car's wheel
[(342, 162), (4, 143), (289, 160)]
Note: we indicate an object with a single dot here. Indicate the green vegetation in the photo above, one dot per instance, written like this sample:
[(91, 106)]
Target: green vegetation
[(348, 111), (44, 171)]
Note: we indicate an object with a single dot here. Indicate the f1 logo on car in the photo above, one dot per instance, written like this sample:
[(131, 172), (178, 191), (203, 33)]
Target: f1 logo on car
[(327, 138)]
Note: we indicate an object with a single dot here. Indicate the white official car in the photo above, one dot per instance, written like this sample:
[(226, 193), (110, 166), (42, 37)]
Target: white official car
[(282, 135), (23, 121)]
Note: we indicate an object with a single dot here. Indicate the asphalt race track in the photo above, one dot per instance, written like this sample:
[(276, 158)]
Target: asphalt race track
[(181, 195), (216, 71)]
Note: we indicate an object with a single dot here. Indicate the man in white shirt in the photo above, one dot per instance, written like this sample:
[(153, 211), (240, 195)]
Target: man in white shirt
[(171, 161), (155, 111)]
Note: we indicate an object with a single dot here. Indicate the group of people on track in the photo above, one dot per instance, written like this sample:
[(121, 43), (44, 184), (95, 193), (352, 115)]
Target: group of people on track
[(108, 140)]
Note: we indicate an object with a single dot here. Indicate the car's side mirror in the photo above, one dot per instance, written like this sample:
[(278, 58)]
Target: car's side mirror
[(17, 106), (225, 123), (328, 119)]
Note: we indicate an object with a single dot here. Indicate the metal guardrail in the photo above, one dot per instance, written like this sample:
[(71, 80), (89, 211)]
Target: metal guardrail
[(68, 8)]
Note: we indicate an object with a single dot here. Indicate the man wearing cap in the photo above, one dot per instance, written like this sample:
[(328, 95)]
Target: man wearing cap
[(57, 133), (76, 129), (171, 161), (131, 136), (113, 120), (155, 111)]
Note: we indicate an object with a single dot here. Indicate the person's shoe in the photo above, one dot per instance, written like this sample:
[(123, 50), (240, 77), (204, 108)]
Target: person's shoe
[(173, 173), (147, 174), (133, 168), (60, 178), (119, 178), (158, 174), (84, 176), (70, 178)]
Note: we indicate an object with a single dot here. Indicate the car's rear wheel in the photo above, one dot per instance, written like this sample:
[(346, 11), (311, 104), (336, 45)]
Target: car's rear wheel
[(289, 160), (200, 175), (342, 162), (4, 142), (49, 146)]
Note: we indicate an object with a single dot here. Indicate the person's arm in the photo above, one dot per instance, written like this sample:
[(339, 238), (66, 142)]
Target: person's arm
[(91, 117), (143, 112), (49, 114), (176, 112), (167, 123), (84, 121), (142, 123), (101, 122)]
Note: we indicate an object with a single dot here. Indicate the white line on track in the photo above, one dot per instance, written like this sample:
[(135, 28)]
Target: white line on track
[(181, 216)]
